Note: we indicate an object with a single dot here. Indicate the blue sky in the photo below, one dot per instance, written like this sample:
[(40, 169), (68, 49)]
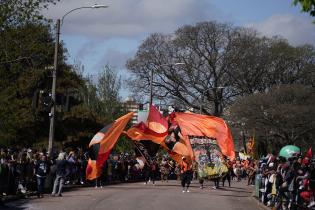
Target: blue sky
[(96, 37)]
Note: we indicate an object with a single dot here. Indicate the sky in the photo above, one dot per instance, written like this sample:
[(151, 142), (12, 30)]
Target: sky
[(96, 37)]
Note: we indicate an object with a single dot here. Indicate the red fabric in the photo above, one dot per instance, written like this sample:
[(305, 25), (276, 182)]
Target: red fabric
[(306, 195), (142, 132), (142, 127), (156, 121), (155, 130), (202, 125), (94, 168), (309, 153), (107, 141)]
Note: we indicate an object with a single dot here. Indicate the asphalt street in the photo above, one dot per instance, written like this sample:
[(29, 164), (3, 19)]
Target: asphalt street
[(137, 196)]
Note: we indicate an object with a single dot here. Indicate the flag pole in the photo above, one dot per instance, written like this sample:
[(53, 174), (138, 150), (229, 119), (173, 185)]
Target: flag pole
[(141, 153)]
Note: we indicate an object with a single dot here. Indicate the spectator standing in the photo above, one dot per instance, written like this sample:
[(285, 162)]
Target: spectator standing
[(251, 172), (41, 171), (4, 173), (61, 173)]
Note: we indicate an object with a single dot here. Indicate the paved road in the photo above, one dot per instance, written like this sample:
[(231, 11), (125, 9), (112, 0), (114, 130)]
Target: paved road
[(137, 196)]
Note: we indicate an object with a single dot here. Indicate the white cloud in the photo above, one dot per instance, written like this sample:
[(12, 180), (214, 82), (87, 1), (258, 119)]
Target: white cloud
[(116, 58), (89, 47), (126, 18), (297, 29)]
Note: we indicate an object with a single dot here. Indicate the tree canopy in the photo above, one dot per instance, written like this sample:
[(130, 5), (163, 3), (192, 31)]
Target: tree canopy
[(307, 6), (221, 62), (26, 56), (282, 115), (255, 82)]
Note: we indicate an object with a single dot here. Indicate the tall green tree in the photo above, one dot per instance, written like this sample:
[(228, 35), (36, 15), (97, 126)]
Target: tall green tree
[(307, 6), (15, 13), (26, 53), (283, 115), (108, 87)]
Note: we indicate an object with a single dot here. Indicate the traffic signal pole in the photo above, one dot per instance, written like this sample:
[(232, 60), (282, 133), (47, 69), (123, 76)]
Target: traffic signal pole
[(53, 92)]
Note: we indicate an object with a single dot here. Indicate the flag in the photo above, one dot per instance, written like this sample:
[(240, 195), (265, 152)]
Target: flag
[(102, 144), (140, 132), (156, 121), (253, 145), (309, 153), (212, 127), (250, 146), (148, 136), (155, 129)]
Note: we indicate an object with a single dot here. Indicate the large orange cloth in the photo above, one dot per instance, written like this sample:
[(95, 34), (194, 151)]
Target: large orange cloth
[(155, 129), (156, 121), (102, 143), (202, 125), (142, 132)]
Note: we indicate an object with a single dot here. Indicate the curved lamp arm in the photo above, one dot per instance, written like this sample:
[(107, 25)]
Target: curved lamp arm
[(96, 6)]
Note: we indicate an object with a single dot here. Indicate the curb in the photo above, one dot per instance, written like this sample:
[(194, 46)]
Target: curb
[(260, 204)]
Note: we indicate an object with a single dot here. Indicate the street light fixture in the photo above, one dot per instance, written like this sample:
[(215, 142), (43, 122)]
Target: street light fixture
[(95, 6), (151, 78), (203, 94), (54, 75)]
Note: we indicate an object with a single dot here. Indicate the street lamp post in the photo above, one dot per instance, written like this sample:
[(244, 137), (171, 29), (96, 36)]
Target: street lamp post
[(151, 78), (54, 76), (203, 94)]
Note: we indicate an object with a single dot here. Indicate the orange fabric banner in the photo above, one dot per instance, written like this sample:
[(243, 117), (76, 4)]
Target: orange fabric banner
[(156, 121), (192, 124), (155, 130), (102, 143), (142, 132)]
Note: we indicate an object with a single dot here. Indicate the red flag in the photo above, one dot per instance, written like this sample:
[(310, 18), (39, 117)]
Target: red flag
[(142, 132), (309, 153), (156, 121), (155, 130), (102, 143)]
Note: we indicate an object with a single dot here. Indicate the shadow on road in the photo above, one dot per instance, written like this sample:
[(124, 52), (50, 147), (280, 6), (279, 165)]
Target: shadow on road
[(232, 190), (18, 206), (237, 196)]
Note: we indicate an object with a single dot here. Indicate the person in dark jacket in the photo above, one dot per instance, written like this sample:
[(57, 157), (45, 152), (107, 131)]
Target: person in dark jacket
[(41, 171), (61, 173)]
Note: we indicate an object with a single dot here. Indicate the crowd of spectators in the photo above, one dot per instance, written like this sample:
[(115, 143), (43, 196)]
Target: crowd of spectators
[(29, 172), (286, 183), (279, 181)]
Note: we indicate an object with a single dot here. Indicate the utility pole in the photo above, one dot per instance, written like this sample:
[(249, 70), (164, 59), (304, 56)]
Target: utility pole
[(53, 92), (54, 75)]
